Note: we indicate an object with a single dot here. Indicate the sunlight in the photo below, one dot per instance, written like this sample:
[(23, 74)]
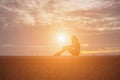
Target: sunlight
[(62, 38)]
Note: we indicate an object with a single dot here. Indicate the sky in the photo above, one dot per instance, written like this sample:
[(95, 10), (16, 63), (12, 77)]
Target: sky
[(29, 27)]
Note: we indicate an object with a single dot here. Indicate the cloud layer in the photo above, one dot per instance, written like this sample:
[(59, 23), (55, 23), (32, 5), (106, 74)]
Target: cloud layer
[(87, 14)]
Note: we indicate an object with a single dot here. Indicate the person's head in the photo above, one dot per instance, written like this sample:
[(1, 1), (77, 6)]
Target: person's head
[(74, 40)]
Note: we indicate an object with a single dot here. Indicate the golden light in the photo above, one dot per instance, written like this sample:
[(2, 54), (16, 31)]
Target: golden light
[(62, 38)]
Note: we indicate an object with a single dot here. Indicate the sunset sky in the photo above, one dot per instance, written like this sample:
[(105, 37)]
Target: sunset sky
[(31, 27)]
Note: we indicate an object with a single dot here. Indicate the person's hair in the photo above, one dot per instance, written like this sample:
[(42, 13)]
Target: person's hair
[(74, 37)]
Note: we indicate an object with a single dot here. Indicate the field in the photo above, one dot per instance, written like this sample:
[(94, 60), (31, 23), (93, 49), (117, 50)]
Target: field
[(60, 68)]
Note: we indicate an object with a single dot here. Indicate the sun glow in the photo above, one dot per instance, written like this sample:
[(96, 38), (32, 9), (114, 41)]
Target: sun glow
[(62, 38)]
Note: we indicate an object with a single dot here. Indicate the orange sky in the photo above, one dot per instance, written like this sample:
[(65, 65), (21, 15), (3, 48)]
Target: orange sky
[(31, 27)]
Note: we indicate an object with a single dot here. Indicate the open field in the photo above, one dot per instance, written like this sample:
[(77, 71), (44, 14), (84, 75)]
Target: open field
[(60, 68)]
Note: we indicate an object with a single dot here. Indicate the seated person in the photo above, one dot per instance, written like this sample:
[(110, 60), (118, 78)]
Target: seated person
[(73, 49)]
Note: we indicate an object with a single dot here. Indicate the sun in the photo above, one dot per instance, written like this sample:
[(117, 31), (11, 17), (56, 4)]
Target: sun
[(62, 38)]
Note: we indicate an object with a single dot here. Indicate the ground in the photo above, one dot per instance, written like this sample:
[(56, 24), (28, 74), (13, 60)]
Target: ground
[(60, 68)]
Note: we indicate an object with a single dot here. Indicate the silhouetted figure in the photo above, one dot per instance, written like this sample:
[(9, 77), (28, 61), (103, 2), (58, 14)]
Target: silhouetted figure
[(74, 49)]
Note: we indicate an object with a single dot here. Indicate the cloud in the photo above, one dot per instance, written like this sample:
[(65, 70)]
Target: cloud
[(103, 16), (87, 14)]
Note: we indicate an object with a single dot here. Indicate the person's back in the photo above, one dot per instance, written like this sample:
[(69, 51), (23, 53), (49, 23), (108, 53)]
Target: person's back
[(75, 46)]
